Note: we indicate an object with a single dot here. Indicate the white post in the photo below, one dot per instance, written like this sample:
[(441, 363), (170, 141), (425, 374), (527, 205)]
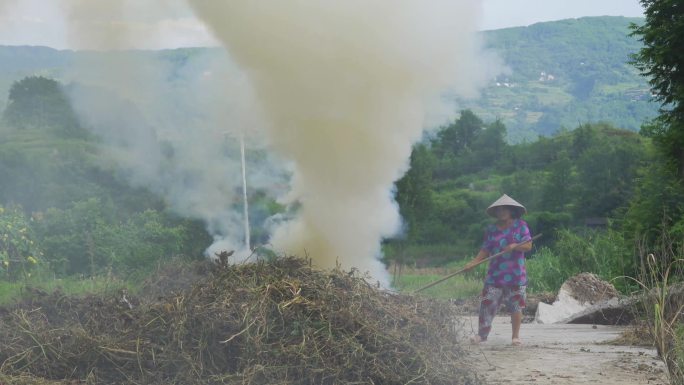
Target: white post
[(244, 192)]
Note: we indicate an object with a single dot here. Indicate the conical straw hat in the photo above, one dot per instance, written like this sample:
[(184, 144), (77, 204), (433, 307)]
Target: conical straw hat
[(505, 200)]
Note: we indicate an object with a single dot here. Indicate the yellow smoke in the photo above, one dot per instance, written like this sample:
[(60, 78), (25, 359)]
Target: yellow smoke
[(347, 86)]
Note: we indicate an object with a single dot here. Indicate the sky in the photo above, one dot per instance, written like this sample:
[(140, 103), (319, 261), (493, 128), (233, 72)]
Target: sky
[(512, 13), (170, 24)]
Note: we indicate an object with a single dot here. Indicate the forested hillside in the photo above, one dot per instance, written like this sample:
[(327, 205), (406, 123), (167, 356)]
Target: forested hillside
[(560, 74), (563, 74)]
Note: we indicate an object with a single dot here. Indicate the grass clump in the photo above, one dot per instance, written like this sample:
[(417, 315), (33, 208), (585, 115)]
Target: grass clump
[(661, 281)]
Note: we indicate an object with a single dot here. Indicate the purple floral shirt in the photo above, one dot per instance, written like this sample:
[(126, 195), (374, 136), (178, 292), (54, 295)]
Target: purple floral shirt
[(507, 269)]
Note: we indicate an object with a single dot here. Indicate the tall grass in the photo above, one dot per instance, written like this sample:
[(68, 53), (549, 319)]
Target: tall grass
[(661, 278), (545, 272), (605, 253)]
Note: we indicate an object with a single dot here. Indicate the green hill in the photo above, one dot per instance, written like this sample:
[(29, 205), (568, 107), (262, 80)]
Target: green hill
[(565, 73), (561, 73)]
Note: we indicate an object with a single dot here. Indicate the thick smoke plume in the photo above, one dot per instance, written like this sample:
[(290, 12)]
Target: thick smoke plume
[(348, 87)]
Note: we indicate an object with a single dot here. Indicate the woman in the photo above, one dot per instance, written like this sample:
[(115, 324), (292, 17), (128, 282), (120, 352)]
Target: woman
[(506, 278)]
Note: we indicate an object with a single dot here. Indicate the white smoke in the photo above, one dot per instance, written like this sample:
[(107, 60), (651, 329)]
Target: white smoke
[(179, 138), (173, 120), (348, 86)]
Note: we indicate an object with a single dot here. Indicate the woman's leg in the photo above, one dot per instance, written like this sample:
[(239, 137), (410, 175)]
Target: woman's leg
[(516, 321), (491, 298), (515, 298)]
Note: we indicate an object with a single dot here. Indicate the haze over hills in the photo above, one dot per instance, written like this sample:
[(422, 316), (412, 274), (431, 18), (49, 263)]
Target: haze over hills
[(561, 74)]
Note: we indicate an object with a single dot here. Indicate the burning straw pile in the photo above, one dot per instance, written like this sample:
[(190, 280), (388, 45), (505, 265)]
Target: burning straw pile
[(277, 322)]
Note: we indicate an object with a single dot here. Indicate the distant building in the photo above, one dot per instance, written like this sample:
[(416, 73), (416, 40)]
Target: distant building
[(546, 77)]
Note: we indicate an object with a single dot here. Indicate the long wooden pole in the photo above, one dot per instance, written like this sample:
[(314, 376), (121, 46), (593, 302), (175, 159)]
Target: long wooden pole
[(477, 264)]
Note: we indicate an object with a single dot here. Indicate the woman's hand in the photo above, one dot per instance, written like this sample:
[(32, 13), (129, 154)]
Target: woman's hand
[(511, 247), (518, 247)]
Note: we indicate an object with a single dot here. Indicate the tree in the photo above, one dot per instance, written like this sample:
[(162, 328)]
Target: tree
[(460, 135), (661, 60), (38, 102), (606, 171), (490, 145), (414, 189), (657, 205), (557, 189), (582, 138)]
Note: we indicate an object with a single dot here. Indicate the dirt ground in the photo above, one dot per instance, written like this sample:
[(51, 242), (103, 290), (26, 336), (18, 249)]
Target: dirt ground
[(563, 355)]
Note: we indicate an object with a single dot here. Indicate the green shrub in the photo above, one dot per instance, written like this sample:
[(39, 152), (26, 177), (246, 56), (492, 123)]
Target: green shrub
[(71, 237), (88, 238), (605, 253), (19, 253), (143, 240)]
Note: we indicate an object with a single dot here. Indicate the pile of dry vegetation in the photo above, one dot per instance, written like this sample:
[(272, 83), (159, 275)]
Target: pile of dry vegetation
[(278, 322)]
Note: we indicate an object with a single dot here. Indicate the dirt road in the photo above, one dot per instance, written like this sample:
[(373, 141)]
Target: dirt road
[(563, 354)]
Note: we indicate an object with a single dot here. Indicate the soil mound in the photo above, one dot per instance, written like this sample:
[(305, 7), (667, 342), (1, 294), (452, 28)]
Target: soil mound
[(589, 288), (586, 299), (278, 322)]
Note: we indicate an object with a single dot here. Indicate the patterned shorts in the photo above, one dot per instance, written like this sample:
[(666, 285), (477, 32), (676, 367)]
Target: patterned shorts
[(512, 296), (492, 297)]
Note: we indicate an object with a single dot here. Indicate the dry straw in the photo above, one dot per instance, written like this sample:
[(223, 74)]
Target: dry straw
[(278, 322)]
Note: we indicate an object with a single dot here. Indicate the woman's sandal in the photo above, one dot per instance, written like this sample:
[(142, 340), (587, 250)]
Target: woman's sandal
[(516, 342)]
